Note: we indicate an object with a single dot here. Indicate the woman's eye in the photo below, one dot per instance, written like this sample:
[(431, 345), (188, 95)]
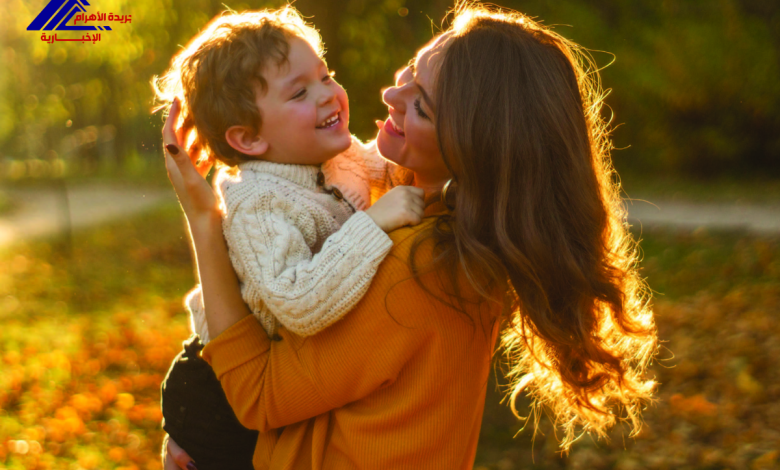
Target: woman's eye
[(299, 94), (420, 112)]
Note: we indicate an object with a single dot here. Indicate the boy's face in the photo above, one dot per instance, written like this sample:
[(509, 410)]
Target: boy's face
[(305, 113)]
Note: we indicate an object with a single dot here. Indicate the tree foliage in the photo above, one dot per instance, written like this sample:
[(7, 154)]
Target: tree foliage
[(695, 84)]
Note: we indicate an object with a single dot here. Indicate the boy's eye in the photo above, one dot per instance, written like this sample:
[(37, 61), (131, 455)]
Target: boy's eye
[(327, 78), (299, 94)]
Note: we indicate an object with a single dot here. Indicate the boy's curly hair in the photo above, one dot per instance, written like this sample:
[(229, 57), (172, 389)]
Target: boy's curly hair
[(217, 75)]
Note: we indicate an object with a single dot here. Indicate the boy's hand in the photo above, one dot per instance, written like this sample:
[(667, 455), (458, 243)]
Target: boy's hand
[(402, 205)]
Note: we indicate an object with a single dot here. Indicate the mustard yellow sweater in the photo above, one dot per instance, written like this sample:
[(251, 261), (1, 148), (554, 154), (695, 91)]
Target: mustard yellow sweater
[(398, 383)]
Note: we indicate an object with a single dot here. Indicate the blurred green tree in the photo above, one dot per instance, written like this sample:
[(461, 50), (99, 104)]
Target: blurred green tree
[(695, 83)]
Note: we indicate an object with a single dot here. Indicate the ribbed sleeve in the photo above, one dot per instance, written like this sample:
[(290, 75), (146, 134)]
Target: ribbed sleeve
[(306, 292)]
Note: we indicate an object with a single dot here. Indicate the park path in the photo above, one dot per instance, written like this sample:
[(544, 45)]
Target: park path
[(763, 219), (45, 212)]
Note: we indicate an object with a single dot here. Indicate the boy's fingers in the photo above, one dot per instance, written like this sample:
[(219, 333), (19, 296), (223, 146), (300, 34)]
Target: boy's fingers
[(418, 191)]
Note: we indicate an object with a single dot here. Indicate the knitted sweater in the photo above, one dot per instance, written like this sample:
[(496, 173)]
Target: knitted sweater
[(302, 258), (399, 383)]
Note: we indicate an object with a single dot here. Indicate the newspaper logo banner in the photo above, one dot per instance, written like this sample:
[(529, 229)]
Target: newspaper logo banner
[(57, 13)]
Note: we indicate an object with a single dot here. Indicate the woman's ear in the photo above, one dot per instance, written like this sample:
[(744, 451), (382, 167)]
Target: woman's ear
[(244, 140)]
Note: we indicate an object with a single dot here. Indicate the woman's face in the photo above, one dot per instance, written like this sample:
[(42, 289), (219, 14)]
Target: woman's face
[(408, 136)]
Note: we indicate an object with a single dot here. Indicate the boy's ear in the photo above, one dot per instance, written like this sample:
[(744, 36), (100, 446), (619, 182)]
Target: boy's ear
[(244, 139)]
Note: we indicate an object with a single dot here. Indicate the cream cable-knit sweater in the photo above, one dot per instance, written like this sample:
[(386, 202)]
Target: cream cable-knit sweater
[(302, 257)]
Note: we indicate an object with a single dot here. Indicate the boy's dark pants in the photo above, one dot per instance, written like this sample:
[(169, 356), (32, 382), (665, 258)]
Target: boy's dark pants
[(198, 417)]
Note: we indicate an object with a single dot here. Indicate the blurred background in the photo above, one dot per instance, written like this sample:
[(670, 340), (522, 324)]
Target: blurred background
[(695, 84), (94, 259)]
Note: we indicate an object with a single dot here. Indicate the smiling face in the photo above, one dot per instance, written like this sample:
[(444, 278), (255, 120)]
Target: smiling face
[(408, 136), (305, 113)]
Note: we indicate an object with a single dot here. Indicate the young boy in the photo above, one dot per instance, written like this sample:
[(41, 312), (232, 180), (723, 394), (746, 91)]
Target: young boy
[(296, 187), (263, 102)]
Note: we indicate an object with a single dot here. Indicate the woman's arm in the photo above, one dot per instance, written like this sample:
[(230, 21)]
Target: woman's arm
[(270, 384), (221, 292)]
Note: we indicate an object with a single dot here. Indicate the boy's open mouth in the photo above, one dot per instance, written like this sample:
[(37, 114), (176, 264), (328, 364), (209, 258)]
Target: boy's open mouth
[(332, 121)]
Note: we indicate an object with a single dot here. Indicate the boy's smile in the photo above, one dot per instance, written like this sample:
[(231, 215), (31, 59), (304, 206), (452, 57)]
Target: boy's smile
[(305, 113)]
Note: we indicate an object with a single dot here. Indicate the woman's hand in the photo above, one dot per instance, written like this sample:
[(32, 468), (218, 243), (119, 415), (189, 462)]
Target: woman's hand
[(222, 299), (189, 180), (174, 457)]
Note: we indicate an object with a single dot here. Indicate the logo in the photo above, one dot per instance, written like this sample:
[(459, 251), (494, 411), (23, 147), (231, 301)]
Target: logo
[(57, 14)]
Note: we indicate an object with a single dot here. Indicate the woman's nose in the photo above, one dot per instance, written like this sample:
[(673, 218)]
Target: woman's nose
[(390, 96)]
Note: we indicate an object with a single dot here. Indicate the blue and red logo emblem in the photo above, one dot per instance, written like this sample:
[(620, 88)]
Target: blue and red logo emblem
[(57, 14)]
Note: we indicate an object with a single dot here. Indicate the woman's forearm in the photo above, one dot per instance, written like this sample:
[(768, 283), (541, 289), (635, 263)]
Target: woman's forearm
[(221, 292), (222, 299)]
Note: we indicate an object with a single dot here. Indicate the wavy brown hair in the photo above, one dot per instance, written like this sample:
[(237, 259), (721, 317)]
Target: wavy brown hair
[(538, 218)]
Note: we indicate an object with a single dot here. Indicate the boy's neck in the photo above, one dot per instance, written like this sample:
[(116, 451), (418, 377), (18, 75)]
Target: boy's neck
[(274, 156)]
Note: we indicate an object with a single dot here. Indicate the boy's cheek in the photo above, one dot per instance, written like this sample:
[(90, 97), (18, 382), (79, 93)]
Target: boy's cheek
[(302, 116)]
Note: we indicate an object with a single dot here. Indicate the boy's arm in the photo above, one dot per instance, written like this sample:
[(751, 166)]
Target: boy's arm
[(305, 292)]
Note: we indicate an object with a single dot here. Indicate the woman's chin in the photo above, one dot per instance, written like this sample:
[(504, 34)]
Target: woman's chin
[(389, 147)]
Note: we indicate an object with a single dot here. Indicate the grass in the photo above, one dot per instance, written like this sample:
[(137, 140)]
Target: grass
[(90, 327)]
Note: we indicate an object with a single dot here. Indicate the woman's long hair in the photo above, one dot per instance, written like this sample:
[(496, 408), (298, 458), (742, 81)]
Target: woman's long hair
[(538, 218)]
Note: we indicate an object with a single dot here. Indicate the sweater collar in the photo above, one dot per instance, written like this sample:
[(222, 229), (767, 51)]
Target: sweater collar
[(435, 207), (302, 175)]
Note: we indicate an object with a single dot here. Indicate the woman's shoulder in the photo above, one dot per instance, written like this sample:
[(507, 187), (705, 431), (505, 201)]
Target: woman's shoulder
[(416, 253), (406, 238), (413, 256)]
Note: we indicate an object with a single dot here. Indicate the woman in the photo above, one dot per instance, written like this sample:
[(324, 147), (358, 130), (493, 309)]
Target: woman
[(528, 235)]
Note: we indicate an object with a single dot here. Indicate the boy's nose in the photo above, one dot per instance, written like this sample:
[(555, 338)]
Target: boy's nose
[(326, 97)]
